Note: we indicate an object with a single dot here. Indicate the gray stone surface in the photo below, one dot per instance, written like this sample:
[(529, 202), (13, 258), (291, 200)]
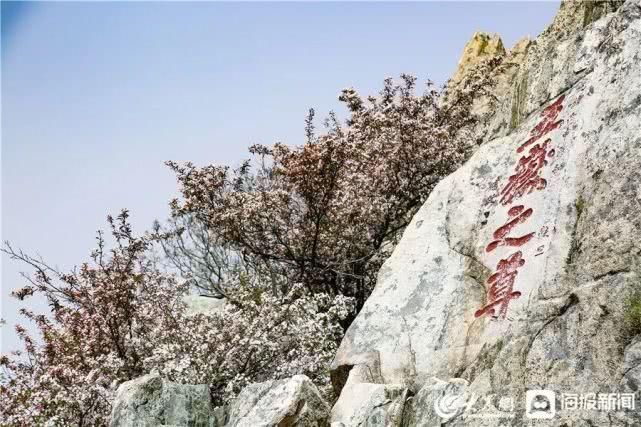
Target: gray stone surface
[(437, 402), (290, 402), (567, 329), (631, 380), (197, 304), (150, 401), (365, 402)]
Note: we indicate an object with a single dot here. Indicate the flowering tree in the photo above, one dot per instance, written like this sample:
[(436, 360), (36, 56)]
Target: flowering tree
[(210, 266), (327, 214), (258, 336), (119, 317), (103, 315), (292, 240)]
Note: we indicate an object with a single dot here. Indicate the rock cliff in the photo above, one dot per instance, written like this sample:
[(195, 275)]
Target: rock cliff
[(520, 271)]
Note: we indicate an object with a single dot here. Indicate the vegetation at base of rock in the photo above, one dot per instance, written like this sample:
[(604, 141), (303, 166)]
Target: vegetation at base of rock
[(575, 246), (119, 317), (632, 315), (292, 241), (105, 317)]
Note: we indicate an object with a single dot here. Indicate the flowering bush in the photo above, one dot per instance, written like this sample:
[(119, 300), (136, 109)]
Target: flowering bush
[(327, 214), (190, 248), (256, 337), (119, 317), (103, 318)]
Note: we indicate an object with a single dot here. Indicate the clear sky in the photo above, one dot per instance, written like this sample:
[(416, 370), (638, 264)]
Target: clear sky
[(96, 96)]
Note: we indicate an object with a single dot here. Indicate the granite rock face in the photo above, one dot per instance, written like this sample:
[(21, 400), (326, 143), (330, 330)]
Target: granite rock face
[(365, 403), (533, 71), (481, 46), (151, 401), (291, 402), (518, 272)]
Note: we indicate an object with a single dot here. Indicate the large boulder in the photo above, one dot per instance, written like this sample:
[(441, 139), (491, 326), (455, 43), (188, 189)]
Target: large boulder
[(516, 273), (151, 401), (290, 402)]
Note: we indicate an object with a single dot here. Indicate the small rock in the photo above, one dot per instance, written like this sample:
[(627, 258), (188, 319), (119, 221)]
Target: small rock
[(152, 401), (293, 401)]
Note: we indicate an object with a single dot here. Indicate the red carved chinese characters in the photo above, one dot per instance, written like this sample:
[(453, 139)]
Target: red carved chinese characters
[(527, 176), (501, 287), (519, 215), (548, 124), (526, 179)]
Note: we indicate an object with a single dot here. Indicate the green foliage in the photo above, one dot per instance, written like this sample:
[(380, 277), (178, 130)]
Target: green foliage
[(575, 247), (632, 315), (499, 345), (580, 207)]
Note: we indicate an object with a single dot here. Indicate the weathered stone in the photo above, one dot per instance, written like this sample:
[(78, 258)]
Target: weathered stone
[(367, 402), (533, 71), (291, 402), (632, 366), (151, 401), (576, 254), (481, 46), (437, 402), (372, 405)]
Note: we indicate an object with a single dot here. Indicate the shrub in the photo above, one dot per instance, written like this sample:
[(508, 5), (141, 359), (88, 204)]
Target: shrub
[(293, 241), (258, 336), (119, 317), (326, 214), (104, 317)]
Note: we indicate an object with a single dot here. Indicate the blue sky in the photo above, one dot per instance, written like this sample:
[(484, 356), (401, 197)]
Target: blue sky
[(96, 96)]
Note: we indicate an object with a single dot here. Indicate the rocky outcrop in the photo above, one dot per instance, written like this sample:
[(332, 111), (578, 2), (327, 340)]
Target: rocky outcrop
[(372, 405), (291, 402), (151, 401), (532, 71), (518, 272), (480, 47)]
